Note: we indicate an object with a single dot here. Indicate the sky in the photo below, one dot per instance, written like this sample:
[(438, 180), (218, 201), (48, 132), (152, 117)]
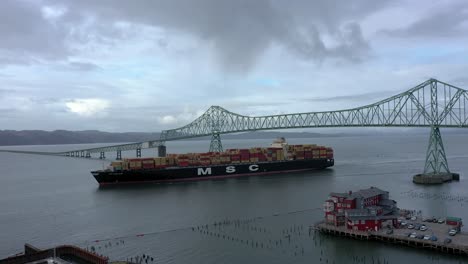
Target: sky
[(148, 65)]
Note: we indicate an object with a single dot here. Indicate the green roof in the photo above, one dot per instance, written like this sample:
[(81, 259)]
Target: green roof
[(455, 219)]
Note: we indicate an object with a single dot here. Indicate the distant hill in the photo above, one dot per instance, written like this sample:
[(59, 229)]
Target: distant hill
[(40, 137)]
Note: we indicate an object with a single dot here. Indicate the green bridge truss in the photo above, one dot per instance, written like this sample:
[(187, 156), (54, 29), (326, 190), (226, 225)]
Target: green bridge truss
[(431, 104)]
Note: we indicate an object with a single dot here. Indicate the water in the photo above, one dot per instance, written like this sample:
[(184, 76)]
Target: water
[(48, 201)]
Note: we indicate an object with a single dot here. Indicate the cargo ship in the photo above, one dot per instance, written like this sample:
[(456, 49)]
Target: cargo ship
[(280, 157)]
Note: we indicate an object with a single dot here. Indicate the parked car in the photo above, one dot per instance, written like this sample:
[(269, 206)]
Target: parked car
[(433, 238), (427, 237), (452, 232), (434, 220), (403, 224), (441, 221), (413, 235), (410, 226), (447, 240), (420, 236), (423, 228), (413, 218)]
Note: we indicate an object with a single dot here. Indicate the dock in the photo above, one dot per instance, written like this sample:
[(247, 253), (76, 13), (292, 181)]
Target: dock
[(457, 246), (64, 254)]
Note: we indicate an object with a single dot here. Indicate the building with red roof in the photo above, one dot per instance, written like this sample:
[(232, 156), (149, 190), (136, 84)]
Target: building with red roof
[(364, 210)]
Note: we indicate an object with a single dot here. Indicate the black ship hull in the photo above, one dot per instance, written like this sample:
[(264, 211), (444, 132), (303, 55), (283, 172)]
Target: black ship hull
[(178, 174)]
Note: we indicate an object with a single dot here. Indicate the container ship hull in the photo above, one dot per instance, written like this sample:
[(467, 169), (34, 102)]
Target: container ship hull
[(196, 173)]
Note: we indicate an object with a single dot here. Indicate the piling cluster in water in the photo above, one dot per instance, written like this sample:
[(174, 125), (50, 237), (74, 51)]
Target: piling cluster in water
[(108, 244), (296, 240), (140, 259), (454, 198), (267, 234)]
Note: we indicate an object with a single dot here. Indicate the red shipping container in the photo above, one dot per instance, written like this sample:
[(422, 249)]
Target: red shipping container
[(148, 166), (183, 163)]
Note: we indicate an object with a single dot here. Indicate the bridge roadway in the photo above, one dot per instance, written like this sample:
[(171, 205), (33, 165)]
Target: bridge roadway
[(431, 104)]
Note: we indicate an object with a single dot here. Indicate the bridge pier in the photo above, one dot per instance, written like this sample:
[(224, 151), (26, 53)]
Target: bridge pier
[(102, 155), (82, 154), (436, 169), (67, 154), (88, 155), (215, 145), (72, 154), (138, 152), (161, 151), (119, 155)]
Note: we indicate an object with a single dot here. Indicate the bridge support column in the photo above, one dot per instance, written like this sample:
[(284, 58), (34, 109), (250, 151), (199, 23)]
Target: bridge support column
[(82, 154), (138, 152), (161, 151), (88, 155), (215, 145), (119, 155), (436, 169), (67, 154), (73, 154), (102, 156)]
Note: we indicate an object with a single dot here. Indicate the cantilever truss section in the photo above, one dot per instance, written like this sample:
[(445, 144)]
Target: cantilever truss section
[(428, 104)]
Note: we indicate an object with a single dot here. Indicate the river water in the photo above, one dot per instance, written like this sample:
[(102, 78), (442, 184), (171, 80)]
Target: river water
[(48, 201)]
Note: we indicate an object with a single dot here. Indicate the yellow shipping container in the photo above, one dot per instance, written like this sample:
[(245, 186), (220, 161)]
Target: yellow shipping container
[(135, 164)]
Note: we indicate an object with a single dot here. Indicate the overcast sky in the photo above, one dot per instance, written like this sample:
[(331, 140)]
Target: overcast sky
[(132, 65)]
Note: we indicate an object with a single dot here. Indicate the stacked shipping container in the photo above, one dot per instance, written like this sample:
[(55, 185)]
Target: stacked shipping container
[(230, 156)]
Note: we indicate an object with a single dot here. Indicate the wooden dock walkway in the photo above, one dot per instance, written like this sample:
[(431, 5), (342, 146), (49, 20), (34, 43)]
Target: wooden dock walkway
[(458, 246)]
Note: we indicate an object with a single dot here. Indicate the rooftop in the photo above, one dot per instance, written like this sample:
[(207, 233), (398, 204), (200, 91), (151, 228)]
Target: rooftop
[(365, 193)]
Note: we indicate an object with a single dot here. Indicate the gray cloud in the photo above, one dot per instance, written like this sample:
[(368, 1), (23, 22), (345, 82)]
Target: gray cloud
[(445, 21), (8, 112), (6, 91), (463, 81), (366, 97), (26, 35), (241, 31), (81, 66)]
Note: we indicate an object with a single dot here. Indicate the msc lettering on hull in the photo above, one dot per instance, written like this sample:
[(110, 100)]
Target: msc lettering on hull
[(206, 171), (229, 169)]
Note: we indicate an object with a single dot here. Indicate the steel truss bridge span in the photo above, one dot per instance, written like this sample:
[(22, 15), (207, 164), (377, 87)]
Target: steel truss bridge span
[(431, 104)]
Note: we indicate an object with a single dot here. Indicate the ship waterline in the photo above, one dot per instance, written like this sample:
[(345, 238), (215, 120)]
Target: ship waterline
[(195, 173)]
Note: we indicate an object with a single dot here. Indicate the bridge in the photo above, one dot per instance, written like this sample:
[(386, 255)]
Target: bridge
[(432, 104)]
